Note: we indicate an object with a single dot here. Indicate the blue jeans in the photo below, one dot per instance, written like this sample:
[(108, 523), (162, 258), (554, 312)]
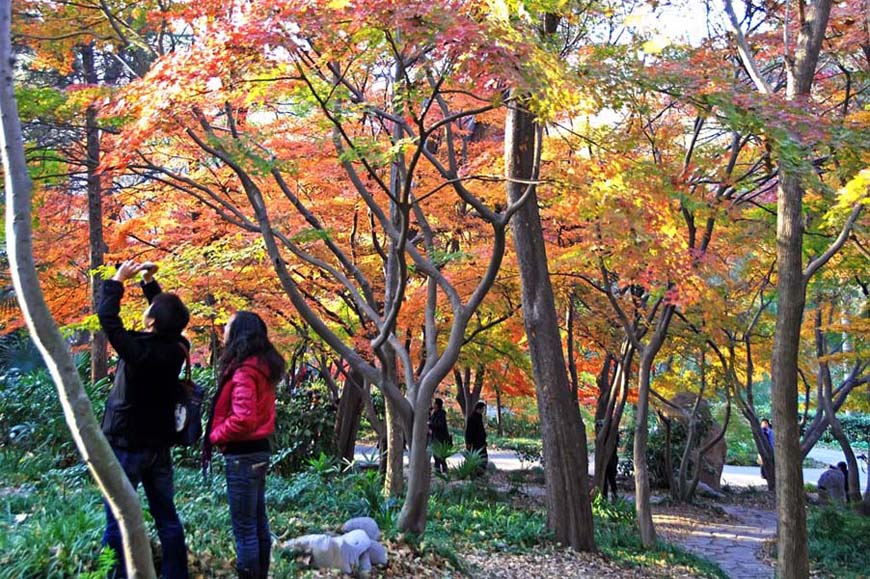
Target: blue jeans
[(246, 493), (152, 468)]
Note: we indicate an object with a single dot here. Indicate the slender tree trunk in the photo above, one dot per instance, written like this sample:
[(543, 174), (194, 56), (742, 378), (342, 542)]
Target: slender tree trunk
[(606, 439), (853, 481), (99, 343), (348, 416), (498, 411), (85, 430), (564, 435), (394, 482), (641, 470)]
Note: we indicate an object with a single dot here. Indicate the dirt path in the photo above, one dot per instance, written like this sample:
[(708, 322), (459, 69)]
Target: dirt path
[(733, 541)]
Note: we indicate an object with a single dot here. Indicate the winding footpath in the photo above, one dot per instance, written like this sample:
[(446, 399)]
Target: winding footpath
[(733, 543)]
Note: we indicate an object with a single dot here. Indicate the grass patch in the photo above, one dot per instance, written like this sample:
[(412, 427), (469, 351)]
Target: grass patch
[(839, 542), (51, 521)]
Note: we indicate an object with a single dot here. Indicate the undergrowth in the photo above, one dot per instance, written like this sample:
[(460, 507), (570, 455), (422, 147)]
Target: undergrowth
[(839, 542)]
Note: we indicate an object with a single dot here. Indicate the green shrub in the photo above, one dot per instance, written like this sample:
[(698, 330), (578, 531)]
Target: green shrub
[(839, 542), (304, 428), (471, 465), (856, 427)]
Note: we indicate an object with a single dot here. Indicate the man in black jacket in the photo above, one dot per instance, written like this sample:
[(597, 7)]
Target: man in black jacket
[(475, 433), (140, 411), (439, 432)]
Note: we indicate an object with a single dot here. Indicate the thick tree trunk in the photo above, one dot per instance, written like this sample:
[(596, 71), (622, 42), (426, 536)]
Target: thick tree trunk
[(99, 343), (85, 430), (564, 435), (348, 416), (792, 549), (414, 510), (791, 509)]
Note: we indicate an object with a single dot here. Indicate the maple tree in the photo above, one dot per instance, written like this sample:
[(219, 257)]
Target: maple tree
[(254, 103), (808, 31)]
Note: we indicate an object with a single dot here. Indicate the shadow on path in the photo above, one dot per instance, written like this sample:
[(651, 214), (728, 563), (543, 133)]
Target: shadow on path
[(734, 543)]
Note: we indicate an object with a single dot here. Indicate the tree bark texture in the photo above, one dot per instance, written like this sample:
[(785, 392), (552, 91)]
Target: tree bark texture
[(791, 509), (613, 389), (569, 510), (394, 482), (641, 436), (414, 510), (792, 558), (99, 343), (348, 416), (85, 430)]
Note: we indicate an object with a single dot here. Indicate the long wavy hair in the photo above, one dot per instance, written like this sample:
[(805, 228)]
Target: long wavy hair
[(249, 337)]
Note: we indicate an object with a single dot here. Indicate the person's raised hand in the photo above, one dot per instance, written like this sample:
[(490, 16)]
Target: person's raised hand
[(148, 269), (126, 270)]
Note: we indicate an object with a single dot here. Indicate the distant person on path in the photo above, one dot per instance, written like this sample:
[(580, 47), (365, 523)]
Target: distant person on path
[(439, 432), (139, 421), (767, 432), (241, 422), (475, 433)]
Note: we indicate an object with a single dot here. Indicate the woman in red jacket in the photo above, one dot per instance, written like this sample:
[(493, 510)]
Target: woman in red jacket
[(242, 419)]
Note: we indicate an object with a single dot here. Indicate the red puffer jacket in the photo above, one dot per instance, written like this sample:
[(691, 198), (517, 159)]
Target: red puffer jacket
[(246, 407)]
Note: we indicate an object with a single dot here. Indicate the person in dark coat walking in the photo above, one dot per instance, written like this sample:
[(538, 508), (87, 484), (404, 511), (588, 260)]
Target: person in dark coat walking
[(439, 432), (767, 433), (139, 421), (475, 433)]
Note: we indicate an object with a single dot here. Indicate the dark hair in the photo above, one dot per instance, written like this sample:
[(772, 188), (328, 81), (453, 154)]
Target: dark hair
[(169, 313), (248, 337), (480, 405), (439, 403), (765, 420)]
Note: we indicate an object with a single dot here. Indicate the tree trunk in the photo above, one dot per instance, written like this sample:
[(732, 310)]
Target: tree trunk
[(866, 502), (564, 435), (853, 482), (792, 537), (414, 510), (85, 430), (348, 415), (499, 427), (610, 413), (394, 482), (641, 435), (99, 343), (792, 556)]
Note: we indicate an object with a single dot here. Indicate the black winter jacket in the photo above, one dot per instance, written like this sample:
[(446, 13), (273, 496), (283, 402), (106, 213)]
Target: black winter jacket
[(140, 409), (438, 426), (475, 433)]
